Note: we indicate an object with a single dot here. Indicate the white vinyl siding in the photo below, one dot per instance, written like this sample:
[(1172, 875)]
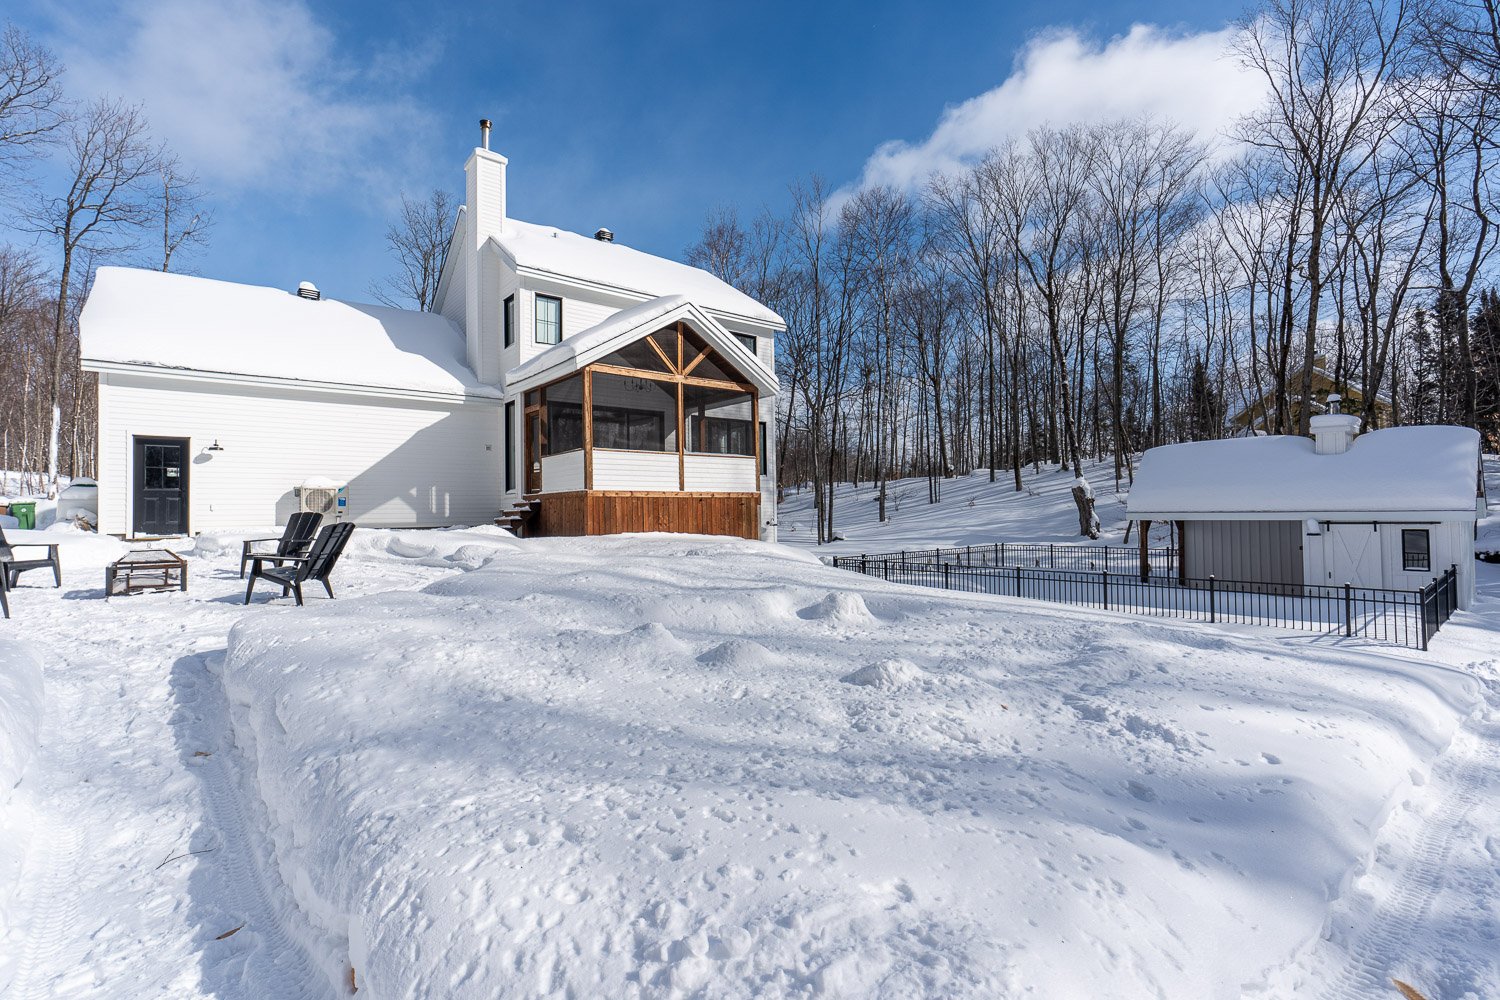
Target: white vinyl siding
[(407, 462), (562, 473), (720, 474), (642, 471)]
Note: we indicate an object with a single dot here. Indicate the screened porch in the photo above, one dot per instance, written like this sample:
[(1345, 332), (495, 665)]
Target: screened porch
[(665, 413)]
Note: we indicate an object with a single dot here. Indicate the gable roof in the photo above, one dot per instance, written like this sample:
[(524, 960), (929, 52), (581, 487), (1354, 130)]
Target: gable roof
[(557, 252), (1411, 470), (154, 320), (632, 324)]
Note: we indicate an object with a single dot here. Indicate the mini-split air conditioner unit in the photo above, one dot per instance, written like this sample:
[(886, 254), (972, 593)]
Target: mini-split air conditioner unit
[(328, 497)]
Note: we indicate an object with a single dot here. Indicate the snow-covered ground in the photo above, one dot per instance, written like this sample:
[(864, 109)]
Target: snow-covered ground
[(662, 765), (972, 511)]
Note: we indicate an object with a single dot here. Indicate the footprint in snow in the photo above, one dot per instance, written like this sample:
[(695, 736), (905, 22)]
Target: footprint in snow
[(1143, 792)]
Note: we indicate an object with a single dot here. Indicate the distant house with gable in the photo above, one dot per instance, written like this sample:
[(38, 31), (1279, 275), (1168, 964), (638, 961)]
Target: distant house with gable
[(1391, 508), (563, 384), (1258, 416)]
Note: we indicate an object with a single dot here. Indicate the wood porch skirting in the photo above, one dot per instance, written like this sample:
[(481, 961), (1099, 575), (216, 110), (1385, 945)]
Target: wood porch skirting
[(608, 512)]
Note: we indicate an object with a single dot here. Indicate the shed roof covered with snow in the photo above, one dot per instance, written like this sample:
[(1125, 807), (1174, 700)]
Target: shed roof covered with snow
[(142, 319), (1396, 471), (570, 256)]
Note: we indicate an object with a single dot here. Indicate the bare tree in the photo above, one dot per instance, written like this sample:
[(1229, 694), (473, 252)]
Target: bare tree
[(419, 242), (185, 222), (111, 163), (1330, 67), (31, 101)]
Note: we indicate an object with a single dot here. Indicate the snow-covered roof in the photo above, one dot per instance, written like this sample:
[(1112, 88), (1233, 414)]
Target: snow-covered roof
[(174, 321), (614, 332), (569, 255), (1394, 470)]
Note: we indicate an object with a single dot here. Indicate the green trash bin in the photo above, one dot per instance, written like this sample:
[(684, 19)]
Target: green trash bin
[(24, 511)]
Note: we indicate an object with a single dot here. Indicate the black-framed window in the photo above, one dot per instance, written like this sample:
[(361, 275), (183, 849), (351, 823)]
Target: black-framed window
[(508, 320), (1416, 550), (748, 342), (548, 319), (510, 446)]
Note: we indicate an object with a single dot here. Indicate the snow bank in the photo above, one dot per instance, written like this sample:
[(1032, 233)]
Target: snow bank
[(20, 724), (20, 711), (638, 766)]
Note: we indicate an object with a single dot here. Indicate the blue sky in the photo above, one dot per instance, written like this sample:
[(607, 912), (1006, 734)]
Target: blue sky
[(306, 120)]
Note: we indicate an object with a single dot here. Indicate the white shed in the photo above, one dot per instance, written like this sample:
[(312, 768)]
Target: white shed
[(1392, 508)]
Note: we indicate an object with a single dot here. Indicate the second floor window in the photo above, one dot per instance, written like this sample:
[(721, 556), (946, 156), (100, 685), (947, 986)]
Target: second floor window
[(508, 322), (548, 320), (748, 343)]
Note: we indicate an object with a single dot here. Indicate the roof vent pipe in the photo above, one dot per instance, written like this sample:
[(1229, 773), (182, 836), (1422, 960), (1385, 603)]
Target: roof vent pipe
[(484, 132), (1333, 432), (308, 290), (604, 236)]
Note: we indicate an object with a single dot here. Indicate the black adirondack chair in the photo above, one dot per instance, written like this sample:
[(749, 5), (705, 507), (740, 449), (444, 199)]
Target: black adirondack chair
[(13, 566), (316, 565), (300, 528)]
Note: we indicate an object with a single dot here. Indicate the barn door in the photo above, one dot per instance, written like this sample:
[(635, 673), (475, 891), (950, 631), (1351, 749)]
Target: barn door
[(161, 486), (1353, 555)]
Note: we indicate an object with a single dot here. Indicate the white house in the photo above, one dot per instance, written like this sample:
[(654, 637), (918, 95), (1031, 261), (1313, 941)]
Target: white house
[(565, 383), (1391, 508)]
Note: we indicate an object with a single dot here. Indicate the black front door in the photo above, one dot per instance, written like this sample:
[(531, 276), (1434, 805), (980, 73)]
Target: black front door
[(161, 486)]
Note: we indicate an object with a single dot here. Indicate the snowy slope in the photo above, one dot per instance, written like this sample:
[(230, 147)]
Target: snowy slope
[(972, 511), (667, 766)]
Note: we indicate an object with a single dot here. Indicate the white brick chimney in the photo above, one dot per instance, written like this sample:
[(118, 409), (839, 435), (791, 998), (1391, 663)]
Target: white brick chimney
[(484, 207), (1332, 432)]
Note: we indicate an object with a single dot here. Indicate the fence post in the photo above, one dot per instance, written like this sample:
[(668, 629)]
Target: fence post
[(945, 577), (903, 559), (1212, 612), (1105, 575), (1422, 614), (1018, 581), (1051, 556), (1000, 554), (864, 570), (886, 564), (1348, 609)]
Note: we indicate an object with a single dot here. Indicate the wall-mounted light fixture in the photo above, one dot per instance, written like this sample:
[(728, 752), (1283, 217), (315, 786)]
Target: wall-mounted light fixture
[(215, 446)]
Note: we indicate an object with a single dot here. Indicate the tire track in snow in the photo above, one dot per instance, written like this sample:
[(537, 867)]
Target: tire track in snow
[(51, 899), (1467, 773), (251, 889)]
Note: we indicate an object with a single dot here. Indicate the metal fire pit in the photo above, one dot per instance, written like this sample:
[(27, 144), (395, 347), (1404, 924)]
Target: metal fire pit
[(146, 570)]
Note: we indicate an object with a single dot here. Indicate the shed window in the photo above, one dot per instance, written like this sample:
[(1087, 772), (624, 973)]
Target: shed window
[(548, 320), (1416, 550)]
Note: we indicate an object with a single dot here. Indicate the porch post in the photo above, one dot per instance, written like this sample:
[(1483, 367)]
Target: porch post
[(588, 428), (681, 435), (1145, 554)]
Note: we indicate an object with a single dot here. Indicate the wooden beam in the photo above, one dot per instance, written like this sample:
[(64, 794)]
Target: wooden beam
[(588, 428), (651, 339), (697, 361), (681, 443), (600, 366)]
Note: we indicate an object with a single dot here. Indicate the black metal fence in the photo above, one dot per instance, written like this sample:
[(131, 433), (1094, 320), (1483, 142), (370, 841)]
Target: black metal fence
[(1080, 558), (1400, 617)]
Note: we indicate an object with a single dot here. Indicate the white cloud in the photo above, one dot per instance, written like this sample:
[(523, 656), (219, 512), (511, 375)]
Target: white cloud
[(253, 95), (1062, 77)]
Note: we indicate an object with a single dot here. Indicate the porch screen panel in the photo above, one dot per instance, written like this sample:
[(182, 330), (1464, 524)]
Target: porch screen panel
[(634, 414), (564, 416), (718, 421)]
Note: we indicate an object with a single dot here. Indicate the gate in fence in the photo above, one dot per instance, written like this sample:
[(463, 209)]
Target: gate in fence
[(1400, 617)]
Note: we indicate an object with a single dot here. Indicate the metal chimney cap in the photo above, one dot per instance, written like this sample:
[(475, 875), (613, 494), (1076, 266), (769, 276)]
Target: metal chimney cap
[(484, 132), (604, 236), (308, 290)]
